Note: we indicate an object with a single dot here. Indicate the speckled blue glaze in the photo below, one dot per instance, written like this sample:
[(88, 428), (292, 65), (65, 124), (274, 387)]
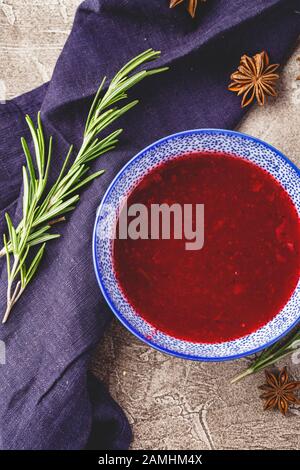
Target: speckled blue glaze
[(165, 149)]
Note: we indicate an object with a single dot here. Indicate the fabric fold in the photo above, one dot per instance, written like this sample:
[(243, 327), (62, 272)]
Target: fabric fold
[(137, 24)]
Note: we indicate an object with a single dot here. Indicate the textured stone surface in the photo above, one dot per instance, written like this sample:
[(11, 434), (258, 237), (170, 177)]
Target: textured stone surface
[(171, 403)]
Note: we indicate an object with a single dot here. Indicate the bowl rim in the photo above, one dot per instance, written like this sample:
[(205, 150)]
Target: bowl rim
[(103, 289)]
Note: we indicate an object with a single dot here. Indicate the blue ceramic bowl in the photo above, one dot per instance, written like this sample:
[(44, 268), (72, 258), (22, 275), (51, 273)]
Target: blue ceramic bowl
[(216, 140)]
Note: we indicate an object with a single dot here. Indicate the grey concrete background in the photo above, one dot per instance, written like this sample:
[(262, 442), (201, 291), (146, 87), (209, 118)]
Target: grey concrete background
[(171, 403)]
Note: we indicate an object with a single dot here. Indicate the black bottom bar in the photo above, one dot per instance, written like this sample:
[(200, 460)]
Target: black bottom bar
[(132, 459)]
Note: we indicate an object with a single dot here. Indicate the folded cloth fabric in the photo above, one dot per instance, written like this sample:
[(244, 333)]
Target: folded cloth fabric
[(47, 399)]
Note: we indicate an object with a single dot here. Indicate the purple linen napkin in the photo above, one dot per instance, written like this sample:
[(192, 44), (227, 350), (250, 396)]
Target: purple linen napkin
[(47, 399)]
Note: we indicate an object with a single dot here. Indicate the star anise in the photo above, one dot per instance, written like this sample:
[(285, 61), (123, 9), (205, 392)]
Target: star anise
[(279, 391), (254, 77), (191, 5)]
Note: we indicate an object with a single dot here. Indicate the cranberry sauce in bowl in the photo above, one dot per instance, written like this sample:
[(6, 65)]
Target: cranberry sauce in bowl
[(237, 292), (247, 268)]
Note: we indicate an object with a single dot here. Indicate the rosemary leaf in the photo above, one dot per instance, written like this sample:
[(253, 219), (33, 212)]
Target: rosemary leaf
[(41, 207), (272, 354)]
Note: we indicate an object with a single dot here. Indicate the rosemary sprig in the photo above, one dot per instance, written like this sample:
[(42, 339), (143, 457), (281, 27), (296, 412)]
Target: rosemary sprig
[(271, 355), (41, 209)]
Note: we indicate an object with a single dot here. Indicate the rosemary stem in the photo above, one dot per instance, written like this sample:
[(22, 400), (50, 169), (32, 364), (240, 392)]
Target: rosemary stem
[(11, 296), (9, 307), (14, 299), (56, 221), (269, 360), (239, 377), (43, 206)]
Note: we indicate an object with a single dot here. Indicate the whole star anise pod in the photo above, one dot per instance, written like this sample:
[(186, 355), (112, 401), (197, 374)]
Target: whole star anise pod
[(191, 5), (279, 391), (254, 78)]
